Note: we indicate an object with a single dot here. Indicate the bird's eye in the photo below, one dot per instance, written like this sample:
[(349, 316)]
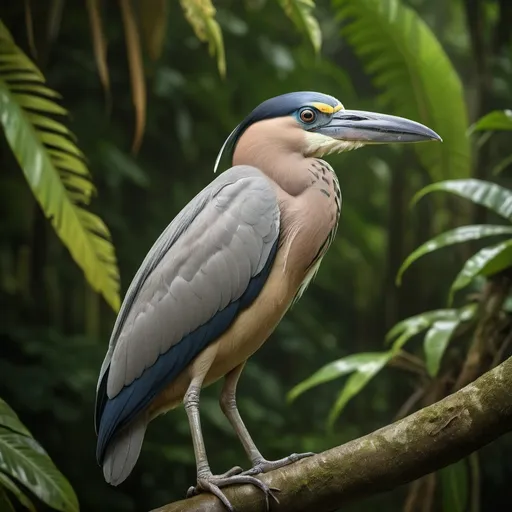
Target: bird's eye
[(307, 115)]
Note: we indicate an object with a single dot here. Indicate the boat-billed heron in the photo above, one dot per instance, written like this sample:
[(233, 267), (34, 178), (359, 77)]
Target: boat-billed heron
[(224, 272)]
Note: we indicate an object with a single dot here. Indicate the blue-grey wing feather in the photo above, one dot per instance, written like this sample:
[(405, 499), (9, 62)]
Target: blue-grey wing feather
[(205, 261)]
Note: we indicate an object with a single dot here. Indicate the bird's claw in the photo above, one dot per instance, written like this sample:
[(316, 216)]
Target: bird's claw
[(264, 466), (214, 483)]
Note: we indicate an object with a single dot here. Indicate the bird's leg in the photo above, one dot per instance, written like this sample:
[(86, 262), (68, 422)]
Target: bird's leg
[(230, 409), (206, 481)]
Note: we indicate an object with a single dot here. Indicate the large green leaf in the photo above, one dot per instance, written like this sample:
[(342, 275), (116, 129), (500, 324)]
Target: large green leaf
[(454, 236), (300, 12), (22, 458), (455, 487), (436, 341), (54, 168), (6, 482), (332, 371), (498, 120), (486, 262), (484, 193), (417, 79), (368, 368)]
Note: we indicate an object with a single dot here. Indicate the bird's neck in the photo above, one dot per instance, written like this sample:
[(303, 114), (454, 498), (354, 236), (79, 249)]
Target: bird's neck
[(275, 148)]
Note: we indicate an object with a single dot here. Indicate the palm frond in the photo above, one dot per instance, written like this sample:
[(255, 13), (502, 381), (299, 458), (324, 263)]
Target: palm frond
[(415, 76), (54, 166)]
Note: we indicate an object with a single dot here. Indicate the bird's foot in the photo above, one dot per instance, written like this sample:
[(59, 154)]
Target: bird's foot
[(214, 484), (264, 466)]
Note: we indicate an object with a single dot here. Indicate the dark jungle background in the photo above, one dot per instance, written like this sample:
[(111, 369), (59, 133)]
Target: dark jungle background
[(150, 106)]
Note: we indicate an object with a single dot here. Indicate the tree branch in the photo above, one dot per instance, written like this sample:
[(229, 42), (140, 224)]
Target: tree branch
[(423, 442)]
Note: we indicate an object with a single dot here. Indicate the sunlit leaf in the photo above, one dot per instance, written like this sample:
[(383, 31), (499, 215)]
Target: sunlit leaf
[(22, 458), (486, 262), (136, 65), (300, 12), (367, 369), (99, 43), (455, 487), (436, 341), (418, 323), (415, 76), (484, 193), (201, 16), (334, 370), (46, 159), (153, 18), (454, 236), (6, 482), (498, 120)]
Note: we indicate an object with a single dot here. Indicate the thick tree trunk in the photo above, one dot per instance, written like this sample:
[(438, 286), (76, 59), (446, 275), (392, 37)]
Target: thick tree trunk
[(421, 443)]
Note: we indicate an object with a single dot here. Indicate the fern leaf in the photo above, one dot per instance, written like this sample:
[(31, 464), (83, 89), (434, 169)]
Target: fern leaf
[(54, 166), (414, 75)]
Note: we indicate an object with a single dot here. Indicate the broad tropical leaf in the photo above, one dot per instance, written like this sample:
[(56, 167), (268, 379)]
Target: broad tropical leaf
[(54, 167), (486, 262), (363, 367), (365, 372), (455, 487), (497, 120), (415, 76), (332, 371), (454, 236), (201, 16), (300, 12), (436, 341), (484, 193), (24, 460)]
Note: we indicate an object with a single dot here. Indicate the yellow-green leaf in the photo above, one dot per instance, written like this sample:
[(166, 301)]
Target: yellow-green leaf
[(300, 12), (201, 16), (43, 156)]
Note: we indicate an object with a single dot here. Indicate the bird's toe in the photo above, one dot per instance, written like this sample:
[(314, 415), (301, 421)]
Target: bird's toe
[(264, 466)]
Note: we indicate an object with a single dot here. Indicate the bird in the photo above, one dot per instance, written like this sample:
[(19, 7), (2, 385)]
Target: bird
[(223, 273)]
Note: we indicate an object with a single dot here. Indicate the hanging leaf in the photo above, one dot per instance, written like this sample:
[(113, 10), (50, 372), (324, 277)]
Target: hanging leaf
[(54, 168), (23, 459), (454, 236), (153, 18), (201, 16), (497, 120), (455, 487), (136, 66), (436, 341), (300, 12), (8, 484), (486, 262), (5, 503), (417, 323), (332, 371), (99, 44), (484, 193), (368, 368), (415, 76)]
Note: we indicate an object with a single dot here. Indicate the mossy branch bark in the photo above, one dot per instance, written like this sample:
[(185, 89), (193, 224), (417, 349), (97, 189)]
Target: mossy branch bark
[(423, 442)]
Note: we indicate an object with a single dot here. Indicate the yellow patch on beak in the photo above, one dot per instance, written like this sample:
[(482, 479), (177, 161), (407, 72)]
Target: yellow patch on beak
[(327, 109)]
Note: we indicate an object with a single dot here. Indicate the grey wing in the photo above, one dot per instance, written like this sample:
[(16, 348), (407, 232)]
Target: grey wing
[(203, 262)]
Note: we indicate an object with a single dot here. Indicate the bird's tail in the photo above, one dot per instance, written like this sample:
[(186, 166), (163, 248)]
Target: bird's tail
[(123, 451)]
